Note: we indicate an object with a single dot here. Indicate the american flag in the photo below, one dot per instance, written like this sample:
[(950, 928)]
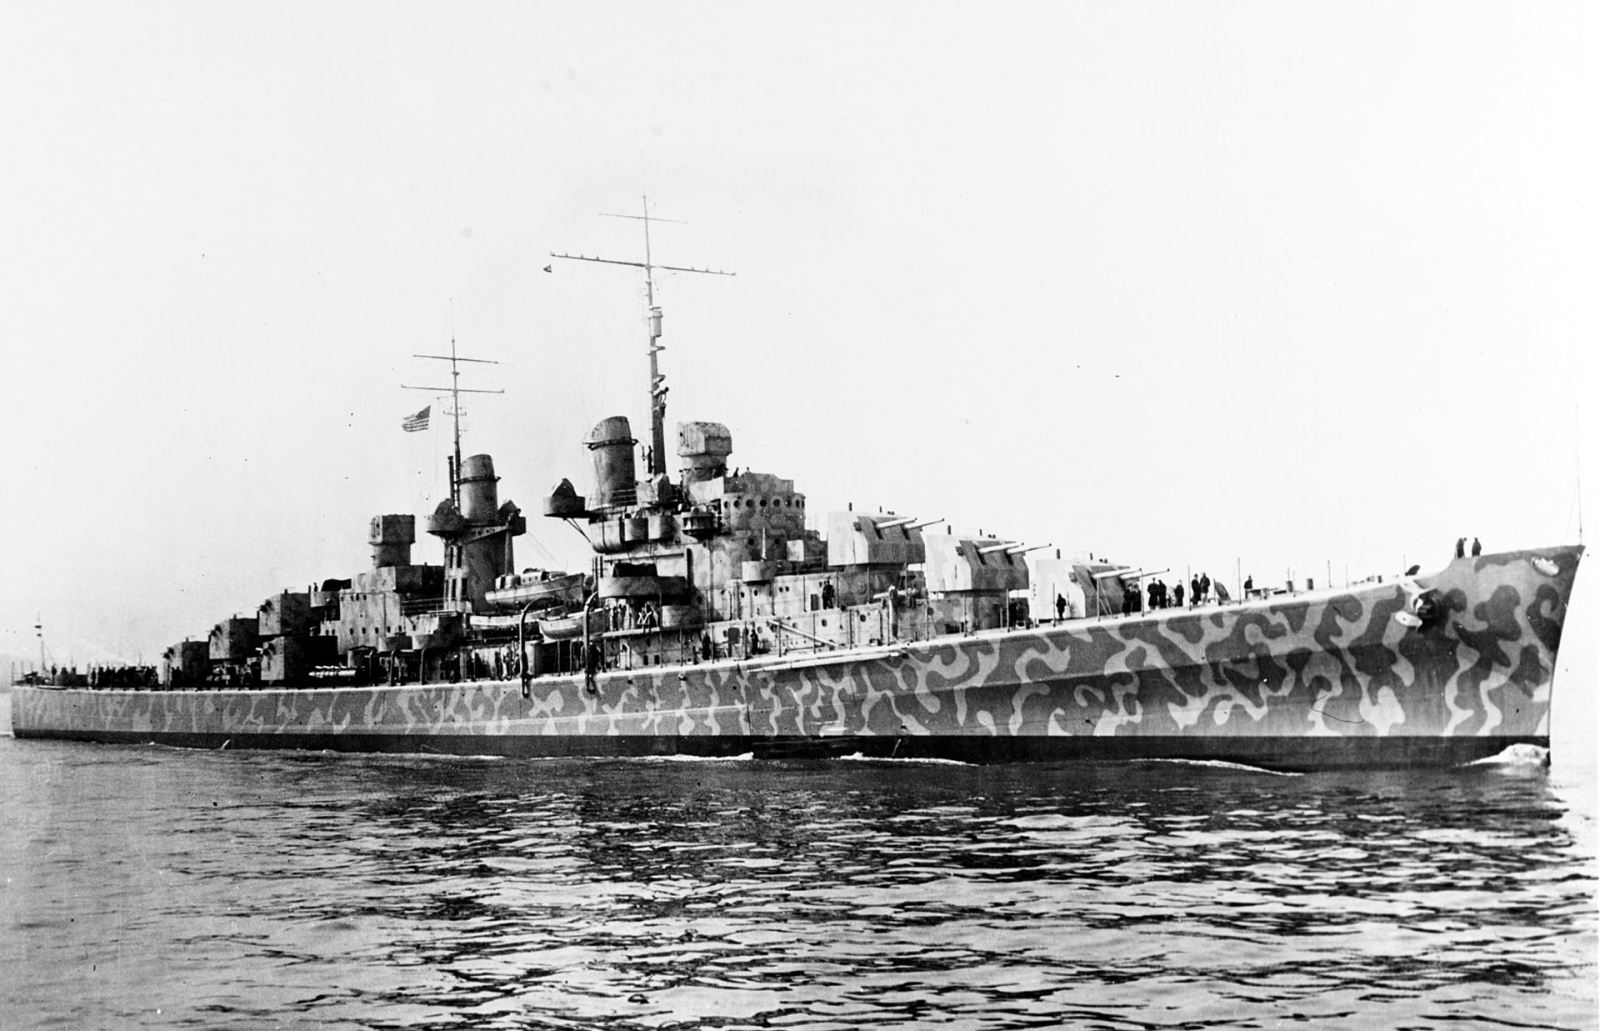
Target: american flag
[(414, 423)]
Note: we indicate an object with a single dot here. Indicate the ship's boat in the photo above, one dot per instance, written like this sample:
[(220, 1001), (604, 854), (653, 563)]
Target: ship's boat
[(561, 628), (717, 620), (537, 589)]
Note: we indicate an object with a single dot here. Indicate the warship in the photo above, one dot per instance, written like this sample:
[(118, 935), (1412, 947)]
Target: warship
[(716, 619)]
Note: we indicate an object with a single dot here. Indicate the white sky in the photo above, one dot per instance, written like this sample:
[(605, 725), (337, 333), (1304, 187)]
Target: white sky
[(1292, 284)]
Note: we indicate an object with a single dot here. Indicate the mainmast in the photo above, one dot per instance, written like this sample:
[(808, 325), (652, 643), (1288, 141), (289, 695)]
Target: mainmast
[(657, 387), (455, 390), (475, 527)]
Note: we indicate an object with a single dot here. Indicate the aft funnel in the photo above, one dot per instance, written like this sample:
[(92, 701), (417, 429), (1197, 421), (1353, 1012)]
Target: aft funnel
[(612, 443)]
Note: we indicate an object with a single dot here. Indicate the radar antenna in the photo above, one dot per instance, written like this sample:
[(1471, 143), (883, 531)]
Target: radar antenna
[(455, 390), (658, 386)]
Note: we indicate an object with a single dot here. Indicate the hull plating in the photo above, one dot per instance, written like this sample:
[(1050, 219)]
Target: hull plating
[(1314, 681)]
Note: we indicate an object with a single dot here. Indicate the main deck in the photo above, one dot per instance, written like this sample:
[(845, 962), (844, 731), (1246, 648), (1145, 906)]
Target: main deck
[(1336, 679)]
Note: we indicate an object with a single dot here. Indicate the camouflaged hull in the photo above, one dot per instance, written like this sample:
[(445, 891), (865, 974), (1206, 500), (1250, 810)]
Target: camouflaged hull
[(1318, 680)]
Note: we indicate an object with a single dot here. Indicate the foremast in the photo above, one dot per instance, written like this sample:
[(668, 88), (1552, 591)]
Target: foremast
[(656, 464)]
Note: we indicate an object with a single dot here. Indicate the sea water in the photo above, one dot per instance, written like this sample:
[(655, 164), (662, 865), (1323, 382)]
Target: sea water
[(156, 887)]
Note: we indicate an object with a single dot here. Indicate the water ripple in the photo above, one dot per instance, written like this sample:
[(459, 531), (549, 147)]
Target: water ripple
[(158, 888)]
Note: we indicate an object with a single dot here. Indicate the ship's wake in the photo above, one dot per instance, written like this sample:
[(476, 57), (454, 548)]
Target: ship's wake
[(858, 757), (1517, 756), (742, 757), (439, 755), (1219, 764)]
